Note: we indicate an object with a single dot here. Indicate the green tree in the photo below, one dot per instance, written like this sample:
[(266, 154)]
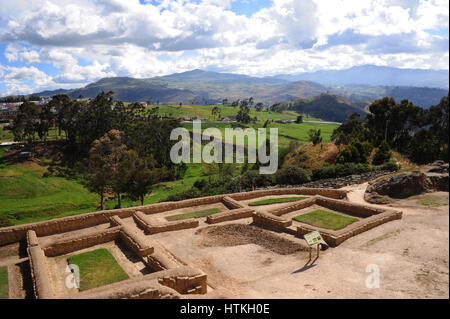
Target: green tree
[(215, 111), (243, 115), (24, 126), (139, 175), (382, 155), (109, 152), (259, 106), (314, 136)]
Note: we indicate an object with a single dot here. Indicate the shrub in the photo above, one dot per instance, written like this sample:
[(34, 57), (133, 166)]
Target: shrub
[(355, 152), (382, 155), (340, 170), (314, 136), (190, 193), (389, 166), (291, 175)]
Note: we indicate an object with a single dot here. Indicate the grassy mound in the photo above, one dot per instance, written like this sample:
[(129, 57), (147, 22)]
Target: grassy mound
[(97, 268), (325, 219)]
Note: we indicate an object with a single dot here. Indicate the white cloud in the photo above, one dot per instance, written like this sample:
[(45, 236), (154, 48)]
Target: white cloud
[(127, 38)]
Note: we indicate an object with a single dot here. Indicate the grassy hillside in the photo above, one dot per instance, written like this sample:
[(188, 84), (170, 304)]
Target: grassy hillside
[(310, 156)]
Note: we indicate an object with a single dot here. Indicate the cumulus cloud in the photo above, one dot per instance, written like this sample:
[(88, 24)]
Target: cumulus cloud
[(86, 40)]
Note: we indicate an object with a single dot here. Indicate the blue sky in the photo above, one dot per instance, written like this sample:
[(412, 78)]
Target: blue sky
[(50, 44)]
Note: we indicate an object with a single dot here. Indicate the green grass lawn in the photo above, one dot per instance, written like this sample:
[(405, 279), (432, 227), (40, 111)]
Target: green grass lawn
[(97, 268), (276, 201), (325, 219), (204, 111), (26, 196), (3, 282), (197, 214), (286, 132)]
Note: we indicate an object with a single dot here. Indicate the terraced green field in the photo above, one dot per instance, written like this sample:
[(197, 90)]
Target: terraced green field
[(97, 268), (325, 219)]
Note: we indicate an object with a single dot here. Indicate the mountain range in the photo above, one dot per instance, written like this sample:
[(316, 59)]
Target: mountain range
[(375, 75), (357, 84)]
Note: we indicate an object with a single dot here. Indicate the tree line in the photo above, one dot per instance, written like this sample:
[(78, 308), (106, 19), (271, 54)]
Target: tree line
[(420, 134)]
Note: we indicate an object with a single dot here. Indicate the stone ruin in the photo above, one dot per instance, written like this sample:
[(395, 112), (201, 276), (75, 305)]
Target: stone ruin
[(164, 275)]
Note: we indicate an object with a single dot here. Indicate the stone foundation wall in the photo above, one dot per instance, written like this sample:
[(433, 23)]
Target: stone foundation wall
[(292, 207), (335, 238), (133, 239), (68, 245), (153, 226), (352, 208), (271, 221), (333, 193), (17, 233), (136, 288), (159, 261), (229, 215), (42, 285), (231, 203), (164, 284)]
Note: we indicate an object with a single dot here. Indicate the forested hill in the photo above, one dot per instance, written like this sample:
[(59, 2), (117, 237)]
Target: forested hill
[(328, 107)]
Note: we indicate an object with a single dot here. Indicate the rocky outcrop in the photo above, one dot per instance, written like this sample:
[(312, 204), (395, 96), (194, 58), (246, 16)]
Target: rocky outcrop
[(438, 167), (404, 185)]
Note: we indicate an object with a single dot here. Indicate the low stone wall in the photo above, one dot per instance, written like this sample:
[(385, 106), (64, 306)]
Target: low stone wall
[(295, 206), (164, 284), (136, 288), (159, 261), (351, 208), (229, 215), (17, 233), (185, 280), (152, 226), (74, 243), (165, 206), (271, 221), (333, 193), (231, 203), (335, 238), (133, 239), (42, 285)]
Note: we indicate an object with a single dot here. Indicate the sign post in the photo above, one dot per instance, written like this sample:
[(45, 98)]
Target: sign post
[(314, 238)]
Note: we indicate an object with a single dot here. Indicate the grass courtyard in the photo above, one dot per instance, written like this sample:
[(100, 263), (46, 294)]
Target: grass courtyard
[(196, 214), (276, 200), (3, 282), (97, 268), (325, 219)]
